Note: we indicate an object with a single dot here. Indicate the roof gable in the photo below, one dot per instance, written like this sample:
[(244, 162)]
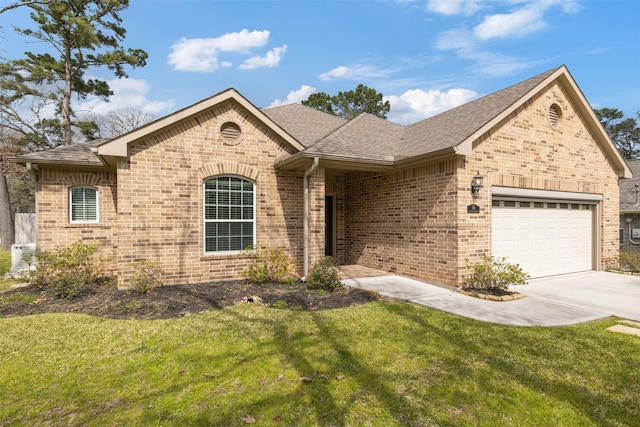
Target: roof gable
[(453, 131), (458, 127), (117, 147)]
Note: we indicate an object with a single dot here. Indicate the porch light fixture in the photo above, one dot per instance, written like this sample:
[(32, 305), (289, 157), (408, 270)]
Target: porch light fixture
[(476, 184)]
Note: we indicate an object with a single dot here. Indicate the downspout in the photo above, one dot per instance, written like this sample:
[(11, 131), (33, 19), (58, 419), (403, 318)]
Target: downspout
[(307, 175)]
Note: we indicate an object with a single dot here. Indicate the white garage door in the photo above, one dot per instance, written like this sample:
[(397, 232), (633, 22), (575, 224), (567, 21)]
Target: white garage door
[(545, 238)]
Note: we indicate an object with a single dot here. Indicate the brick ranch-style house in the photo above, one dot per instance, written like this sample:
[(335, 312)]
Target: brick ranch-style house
[(194, 188)]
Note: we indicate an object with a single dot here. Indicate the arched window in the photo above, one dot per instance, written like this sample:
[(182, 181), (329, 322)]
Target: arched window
[(229, 214), (83, 202)]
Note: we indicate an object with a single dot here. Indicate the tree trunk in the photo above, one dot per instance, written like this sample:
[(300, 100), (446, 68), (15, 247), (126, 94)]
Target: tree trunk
[(6, 217), (66, 100)]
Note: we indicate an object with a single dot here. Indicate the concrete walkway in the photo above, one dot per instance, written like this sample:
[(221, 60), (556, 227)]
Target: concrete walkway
[(553, 301)]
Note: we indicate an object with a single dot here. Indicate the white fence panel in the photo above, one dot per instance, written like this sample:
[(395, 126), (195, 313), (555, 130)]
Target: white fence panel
[(25, 225)]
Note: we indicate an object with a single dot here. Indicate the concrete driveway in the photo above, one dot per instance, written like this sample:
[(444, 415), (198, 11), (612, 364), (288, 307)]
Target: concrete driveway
[(551, 301)]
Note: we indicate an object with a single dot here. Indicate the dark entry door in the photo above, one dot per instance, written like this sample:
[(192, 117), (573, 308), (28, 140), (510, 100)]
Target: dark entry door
[(328, 217)]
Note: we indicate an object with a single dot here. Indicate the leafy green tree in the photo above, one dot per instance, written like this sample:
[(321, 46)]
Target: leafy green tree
[(348, 105), (83, 35), (624, 132)]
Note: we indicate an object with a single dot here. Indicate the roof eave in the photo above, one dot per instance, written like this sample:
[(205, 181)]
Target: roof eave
[(299, 161), (33, 163)]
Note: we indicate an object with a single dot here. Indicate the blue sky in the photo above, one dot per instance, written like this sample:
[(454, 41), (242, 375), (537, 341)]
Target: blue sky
[(425, 56)]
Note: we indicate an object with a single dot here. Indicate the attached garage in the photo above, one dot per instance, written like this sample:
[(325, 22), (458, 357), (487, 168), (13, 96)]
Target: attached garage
[(546, 232)]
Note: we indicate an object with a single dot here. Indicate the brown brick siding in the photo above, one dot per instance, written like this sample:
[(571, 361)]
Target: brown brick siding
[(53, 217), (161, 195), (403, 222), (412, 221), (525, 151)]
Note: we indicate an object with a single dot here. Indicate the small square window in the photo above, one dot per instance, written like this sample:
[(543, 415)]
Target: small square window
[(83, 202)]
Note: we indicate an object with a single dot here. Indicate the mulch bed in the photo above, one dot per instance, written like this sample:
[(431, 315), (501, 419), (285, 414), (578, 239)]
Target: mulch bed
[(177, 300)]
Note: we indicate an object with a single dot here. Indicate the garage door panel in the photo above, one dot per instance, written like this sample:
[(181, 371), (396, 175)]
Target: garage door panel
[(544, 241)]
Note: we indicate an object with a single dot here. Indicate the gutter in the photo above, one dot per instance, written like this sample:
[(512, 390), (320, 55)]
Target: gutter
[(307, 175)]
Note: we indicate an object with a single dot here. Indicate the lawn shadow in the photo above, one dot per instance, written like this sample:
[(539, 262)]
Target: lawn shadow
[(560, 381)]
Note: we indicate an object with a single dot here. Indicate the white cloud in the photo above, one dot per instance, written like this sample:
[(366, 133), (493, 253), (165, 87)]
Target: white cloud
[(415, 105), (271, 59), (202, 54), (131, 93), (356, 72), (522, 21), (337, 72), (518, 24), (454, 7), (295, 96)]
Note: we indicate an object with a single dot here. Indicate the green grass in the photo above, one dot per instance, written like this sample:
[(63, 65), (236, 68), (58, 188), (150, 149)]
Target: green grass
[(5, 266), (5, 262), (381, 364)]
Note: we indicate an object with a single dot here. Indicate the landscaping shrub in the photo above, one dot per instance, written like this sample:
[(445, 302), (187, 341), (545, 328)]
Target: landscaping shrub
[(147, 276), (630, 261), (495, 273), (66, 270), (268, 265), (325, 275)]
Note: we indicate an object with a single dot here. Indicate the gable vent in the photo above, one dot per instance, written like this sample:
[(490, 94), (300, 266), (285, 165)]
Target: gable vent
[(230, 131), (555, 115)]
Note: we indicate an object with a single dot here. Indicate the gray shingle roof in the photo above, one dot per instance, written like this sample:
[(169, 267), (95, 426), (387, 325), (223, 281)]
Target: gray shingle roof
[(76, 154), (452, 127), (305, 124), (367, 138), (628, 189), (370, 138)]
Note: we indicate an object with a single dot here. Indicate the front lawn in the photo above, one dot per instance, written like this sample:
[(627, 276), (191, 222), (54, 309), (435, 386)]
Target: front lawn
[(381, 364), (5, 266)]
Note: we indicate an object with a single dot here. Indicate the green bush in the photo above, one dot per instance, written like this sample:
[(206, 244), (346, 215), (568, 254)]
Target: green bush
[(325, 275), (66, 270), (147, 276), (630, 261), (268, 265), (495, 273)]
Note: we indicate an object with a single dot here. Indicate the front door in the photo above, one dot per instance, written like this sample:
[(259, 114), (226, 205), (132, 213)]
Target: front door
[(329, 226)]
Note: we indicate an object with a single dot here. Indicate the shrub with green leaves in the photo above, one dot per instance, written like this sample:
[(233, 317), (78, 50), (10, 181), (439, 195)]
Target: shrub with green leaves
[(494, 273), (325, 275), (267, 265), (630, 261), (147, 276), (67, 270)]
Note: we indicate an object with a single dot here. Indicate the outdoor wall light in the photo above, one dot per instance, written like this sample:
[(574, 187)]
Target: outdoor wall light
[(476, 184)]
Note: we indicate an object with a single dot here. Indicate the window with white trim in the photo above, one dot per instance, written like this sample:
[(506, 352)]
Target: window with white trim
[(229, 214), (83, 204)]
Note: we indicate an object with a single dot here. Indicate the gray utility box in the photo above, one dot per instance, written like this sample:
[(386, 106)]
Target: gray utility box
[(18, 251)]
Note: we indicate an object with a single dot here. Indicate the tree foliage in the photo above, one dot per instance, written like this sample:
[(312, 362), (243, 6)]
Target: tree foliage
[(348, 105), (624, 132), (82, 35)]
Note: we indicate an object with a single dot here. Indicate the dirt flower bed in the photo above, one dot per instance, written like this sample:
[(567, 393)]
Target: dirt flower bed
[(178, 300)]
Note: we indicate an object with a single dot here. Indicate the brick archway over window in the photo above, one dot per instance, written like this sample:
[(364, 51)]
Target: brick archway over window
[(82, 179), (229, 168)]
